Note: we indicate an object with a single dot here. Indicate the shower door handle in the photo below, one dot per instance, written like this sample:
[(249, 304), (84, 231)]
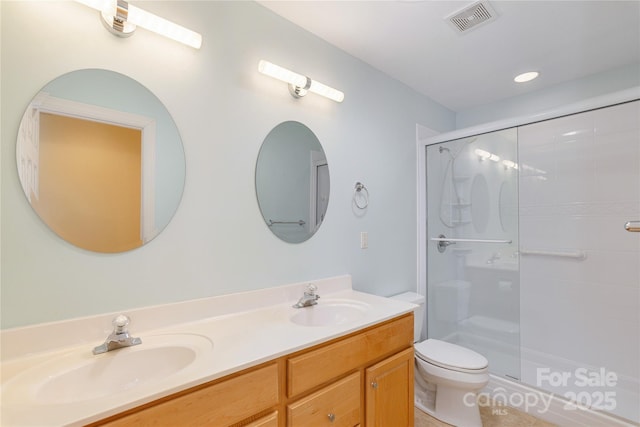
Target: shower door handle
[(452, 241), (632, 226)]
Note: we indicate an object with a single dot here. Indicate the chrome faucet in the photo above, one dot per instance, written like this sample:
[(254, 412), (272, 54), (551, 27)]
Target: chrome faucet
[(119, 337), (309, 297)]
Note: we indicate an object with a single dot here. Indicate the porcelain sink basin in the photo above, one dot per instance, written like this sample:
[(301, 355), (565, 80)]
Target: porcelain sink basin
[(330, 313), (78, 375)]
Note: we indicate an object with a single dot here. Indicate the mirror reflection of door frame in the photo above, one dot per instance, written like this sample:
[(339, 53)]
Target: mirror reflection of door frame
[(318, 160), (46, 103)]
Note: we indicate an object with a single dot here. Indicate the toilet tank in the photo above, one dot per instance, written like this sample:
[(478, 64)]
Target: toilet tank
[(418, 312)]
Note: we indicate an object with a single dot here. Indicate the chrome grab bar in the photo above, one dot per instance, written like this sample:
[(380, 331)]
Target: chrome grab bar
[(632, 226), (443, 241), (564, 254), (299, 222)]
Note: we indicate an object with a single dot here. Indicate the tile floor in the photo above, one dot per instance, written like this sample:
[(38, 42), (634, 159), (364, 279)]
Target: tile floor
[(491, 417)]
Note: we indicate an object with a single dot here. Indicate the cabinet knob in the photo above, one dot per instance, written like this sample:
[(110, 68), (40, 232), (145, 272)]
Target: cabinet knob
[(374, 384), (332, 417)]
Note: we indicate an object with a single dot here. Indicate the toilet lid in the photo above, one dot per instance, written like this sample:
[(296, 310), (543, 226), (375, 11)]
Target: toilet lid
[(450, 356)]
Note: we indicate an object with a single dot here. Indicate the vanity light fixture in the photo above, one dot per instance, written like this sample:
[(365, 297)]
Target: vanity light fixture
[(299, 85), (122, 18), (510, 164), (484, 155)]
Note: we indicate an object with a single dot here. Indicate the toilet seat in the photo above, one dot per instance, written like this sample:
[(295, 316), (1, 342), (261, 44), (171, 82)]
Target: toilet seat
[(451, 378), (451, 356)]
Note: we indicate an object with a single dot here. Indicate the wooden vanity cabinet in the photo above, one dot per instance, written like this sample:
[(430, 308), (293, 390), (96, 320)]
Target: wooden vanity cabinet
[(382, 354), (362, 379)]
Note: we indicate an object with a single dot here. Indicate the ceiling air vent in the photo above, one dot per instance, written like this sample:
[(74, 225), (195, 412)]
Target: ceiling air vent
[(472, 16)]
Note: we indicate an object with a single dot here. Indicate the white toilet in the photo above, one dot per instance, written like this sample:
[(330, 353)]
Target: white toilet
[(447, 376)]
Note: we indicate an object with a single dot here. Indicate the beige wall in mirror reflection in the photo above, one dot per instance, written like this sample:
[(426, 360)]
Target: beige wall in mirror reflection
[(89, 188), (83, 224)]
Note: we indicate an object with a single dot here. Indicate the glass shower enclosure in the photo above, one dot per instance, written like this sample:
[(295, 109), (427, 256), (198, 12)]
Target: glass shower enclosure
[(532, 255), (472, 248)]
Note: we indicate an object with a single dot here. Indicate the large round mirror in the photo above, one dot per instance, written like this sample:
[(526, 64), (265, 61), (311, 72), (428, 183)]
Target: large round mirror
[(292, 182), (100, 160)]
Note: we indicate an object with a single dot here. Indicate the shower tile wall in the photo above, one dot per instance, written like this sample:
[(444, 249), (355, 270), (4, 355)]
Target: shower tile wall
[(580, 303)]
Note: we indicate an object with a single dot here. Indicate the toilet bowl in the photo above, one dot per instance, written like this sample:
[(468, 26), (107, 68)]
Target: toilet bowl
[(447, 376), (447, 380)]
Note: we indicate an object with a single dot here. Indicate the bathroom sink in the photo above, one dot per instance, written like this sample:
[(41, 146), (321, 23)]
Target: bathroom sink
[(329, 313), (78, 375)]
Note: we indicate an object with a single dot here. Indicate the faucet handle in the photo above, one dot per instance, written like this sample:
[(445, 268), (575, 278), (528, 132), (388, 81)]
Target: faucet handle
[(119, 337), (311, 289), (120, 323)]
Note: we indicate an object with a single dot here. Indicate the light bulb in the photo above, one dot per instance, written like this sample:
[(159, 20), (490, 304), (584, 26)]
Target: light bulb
[(163, 27), (138, 17), (509, 164), (482, 154), (100, 5), (282, 74), (299, 82), (324, 90)]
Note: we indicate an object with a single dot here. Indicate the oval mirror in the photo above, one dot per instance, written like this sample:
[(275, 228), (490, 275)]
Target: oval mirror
[(100, 160), (292, 182)]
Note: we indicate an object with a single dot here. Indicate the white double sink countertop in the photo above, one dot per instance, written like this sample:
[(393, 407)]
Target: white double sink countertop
[(48, 372)]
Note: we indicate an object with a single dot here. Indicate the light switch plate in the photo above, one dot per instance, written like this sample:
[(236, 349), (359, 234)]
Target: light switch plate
[(364, 240)]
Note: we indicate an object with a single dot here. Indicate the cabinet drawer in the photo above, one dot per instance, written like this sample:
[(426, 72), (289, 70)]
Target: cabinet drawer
[(220, 404), (335, 405), (330, 361)]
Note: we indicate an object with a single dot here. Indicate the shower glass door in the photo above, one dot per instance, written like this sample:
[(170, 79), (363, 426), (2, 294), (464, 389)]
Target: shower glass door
[(473, 289), (579, 266)]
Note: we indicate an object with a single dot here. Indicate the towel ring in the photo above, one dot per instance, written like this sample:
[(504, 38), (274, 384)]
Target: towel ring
[(365, 196)]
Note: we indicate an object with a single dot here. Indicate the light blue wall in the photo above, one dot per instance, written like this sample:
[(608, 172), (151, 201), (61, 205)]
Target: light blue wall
[(218, 242), (552, 97)]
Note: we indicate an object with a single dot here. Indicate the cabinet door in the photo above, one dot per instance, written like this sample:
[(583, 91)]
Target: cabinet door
[(337, 405), (389, 393)]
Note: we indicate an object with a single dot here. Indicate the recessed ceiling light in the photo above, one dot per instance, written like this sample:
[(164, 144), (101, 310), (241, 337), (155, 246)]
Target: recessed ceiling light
[(525, 77)]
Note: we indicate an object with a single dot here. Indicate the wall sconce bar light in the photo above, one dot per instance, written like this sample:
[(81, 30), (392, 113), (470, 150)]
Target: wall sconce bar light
[(299, 85), (484, 155), (510, 164), (122, 18)]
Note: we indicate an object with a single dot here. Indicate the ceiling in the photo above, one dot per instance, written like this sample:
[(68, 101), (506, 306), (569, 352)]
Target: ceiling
[(414, 43)]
